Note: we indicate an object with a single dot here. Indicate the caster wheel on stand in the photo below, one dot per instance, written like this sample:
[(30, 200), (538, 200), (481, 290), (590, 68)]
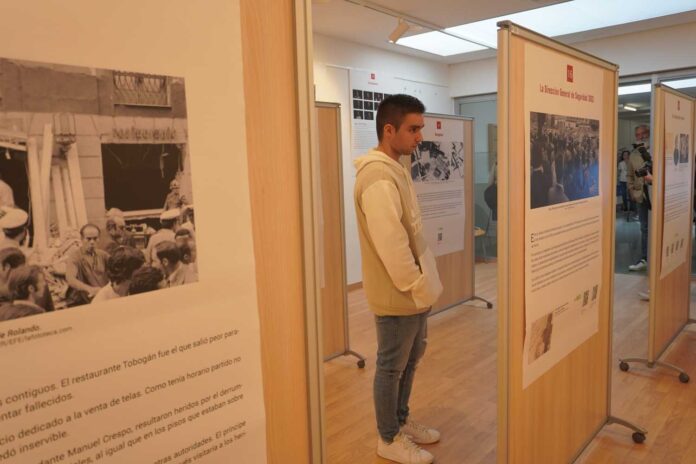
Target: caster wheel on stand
[(638, 437), (684, 378), (623, 365), (361, 364)]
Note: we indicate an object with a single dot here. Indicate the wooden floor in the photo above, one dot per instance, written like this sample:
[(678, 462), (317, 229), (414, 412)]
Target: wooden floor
[(455, 387)]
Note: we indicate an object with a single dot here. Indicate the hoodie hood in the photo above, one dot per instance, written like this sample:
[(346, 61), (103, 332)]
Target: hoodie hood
[(375, 156)]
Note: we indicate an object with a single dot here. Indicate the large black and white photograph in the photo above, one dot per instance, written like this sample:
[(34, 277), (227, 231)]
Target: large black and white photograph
[(437, 161), (564, 155), (96, 197)]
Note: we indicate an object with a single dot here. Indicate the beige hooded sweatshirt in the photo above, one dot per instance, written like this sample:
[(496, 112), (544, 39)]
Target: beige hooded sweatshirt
[(399, 272)]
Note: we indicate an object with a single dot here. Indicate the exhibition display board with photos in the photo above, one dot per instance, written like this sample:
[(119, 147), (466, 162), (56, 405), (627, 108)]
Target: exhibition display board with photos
[(442, 172), (557, 130), (130, 323), (672, 204)]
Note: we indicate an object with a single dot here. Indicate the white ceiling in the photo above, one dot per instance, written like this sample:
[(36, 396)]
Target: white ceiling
[(354, 23)]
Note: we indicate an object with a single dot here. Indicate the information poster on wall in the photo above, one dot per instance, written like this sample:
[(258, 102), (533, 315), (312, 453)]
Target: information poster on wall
[(369, 88), (437, 170), (563, 225), (676, 228), (131, 335)]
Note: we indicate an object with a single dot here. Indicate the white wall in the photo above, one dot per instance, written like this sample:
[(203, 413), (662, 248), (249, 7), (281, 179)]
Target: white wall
[(332, 60), (636, 53)]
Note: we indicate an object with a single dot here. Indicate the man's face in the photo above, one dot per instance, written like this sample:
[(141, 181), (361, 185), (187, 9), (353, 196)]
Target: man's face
[(40, 288), (642, 134), (409, 135), (89, 239)]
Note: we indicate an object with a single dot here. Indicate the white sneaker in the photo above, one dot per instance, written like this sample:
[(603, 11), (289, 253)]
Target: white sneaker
[(419, 433), (639, 266), (645, 296), (403, 451)]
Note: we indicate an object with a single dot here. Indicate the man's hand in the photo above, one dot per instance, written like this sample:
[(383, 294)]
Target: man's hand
[(648, 178)]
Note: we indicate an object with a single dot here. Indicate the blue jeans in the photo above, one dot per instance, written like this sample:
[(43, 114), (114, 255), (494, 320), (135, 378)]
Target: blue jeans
[(643, 215), (401, 342)]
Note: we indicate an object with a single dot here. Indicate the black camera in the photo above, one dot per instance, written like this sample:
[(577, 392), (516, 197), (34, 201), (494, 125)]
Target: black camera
[(647, 159), (645, 170)]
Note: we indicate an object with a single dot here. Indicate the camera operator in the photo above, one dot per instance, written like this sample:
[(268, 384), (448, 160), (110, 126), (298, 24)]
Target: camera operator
[(639, 179)]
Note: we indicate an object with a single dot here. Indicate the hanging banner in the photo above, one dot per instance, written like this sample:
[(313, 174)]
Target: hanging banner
[(563, 225), (437, 170), (676, 228)]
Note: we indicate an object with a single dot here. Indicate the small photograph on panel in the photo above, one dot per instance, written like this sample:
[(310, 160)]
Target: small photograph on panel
[(378, 97), (357, 104), (437, 161), (357, 114), (357, 93), (540, 338), (96, 197), (675, 154), (684, 148), (369, 115), (367, 95), (564, 154)]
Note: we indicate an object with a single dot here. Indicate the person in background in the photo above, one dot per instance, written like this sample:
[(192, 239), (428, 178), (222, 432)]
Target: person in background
[(168, 220), (622, 179), (175, 271), (86, 268), (6, 194), (27, 286), (11, 258), (146, 279), (174, 200), (14, 223), (120, 266), (638, 186)]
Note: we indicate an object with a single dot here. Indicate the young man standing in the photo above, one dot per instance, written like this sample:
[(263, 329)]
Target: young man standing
[(399, 275), (639, 187)]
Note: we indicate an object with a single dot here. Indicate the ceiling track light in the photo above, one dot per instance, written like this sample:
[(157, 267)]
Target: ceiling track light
[(401, 28), (629, 108)]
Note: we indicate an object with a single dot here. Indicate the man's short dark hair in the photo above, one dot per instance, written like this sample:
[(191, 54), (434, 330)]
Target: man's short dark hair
[(169, 251), (21, 279), (14, 232), (394, 108), (122, 263), (87, 226), (145, 279), (12, 257)]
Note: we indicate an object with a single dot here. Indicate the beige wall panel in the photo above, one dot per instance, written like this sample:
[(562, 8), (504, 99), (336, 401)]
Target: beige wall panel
[(270, 85), (333, 296)]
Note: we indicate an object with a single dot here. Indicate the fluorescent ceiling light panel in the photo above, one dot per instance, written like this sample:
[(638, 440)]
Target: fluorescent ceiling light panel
[(629, 108), (554, 20), (681, 83), (633, 89), (439, 43)]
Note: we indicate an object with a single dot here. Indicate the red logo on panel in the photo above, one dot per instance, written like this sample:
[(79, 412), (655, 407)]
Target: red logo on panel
[(439, 125), (569, 73), (372, 76)]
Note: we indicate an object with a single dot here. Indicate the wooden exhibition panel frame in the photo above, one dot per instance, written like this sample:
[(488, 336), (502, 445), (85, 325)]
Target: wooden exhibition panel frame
[(555, 417), (457, 269), (669, 297), (334, 295)]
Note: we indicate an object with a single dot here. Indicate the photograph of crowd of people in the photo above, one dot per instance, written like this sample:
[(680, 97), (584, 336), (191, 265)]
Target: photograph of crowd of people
[(564, 159), (117, 213), (431, 162)]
